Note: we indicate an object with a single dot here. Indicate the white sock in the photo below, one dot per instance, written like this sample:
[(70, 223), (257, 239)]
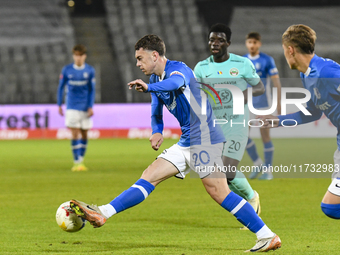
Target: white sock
[(258, 162), (108, 210), (264, 232)]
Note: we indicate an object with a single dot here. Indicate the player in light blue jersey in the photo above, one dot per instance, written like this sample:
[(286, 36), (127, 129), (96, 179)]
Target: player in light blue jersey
[(266, 69), (322, 78), (79, 79), (173, 85), (223, 67)]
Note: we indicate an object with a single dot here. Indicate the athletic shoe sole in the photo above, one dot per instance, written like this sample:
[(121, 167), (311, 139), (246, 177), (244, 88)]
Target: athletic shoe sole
[(86, 212)]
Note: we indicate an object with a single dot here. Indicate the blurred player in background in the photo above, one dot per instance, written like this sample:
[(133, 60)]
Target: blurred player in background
[(79, 78), (217, 69), (173, 84), (266, 69), (322, 78)]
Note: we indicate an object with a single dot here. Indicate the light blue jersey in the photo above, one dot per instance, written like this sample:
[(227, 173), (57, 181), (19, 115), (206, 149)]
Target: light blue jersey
[(322, 79), (178, 90), (80, 82), (265, 67)]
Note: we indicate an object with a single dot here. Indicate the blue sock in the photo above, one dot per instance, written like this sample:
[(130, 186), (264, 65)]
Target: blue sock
[(83, 143), (268, 153), (251, 149), (134, 195), (243, 212), (331, 210), (75, 149)]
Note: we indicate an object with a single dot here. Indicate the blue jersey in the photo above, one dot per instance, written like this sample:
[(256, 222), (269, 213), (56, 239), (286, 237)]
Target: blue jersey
[(179, 91), (322, 79), (265, 67), (80, 91)]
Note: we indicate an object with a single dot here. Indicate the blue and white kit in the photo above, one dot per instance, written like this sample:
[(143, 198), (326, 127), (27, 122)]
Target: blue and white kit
[(322, 79), (179, 92), (80, 94)]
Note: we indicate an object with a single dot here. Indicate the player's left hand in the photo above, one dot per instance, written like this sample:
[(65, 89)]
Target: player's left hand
[(156, 141), (89, 112), (140, 85)]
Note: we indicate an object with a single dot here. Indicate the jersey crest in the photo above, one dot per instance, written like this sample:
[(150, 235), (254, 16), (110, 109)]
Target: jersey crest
[(234, 71)]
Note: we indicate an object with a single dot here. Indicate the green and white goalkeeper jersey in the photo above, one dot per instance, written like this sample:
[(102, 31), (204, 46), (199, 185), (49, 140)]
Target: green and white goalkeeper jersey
[(237, 71)]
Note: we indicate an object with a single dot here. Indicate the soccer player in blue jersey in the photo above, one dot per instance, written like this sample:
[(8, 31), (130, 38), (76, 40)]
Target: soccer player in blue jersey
[(322, 78), (79, 78), (173, 84), (266, 69), (218, 69)]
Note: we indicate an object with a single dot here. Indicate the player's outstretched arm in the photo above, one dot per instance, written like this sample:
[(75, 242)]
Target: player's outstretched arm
[(156, 141), (292, 119)]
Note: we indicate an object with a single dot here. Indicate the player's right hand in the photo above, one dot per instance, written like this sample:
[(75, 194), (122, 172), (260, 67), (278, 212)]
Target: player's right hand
[(156, 141), (269, 121), (61, 111), (140, 85)]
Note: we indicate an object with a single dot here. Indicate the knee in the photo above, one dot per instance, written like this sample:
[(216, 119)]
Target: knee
[(150, 175), (146, 175), (213, 192), (331, 210)]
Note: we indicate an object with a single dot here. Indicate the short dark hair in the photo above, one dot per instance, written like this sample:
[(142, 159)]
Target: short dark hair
[(254, 35), (221, 28), (151, 42), (79, 48)]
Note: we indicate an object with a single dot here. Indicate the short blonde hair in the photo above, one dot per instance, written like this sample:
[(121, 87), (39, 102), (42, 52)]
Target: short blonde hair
[(300, 36)]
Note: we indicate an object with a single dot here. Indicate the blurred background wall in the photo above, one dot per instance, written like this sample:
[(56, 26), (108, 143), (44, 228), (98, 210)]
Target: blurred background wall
[(37, 36)]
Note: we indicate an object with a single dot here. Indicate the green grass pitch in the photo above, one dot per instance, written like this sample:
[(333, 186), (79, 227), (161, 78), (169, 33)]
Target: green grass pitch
[(178, 218)]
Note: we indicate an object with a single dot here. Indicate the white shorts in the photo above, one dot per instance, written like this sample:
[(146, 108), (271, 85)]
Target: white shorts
[(78, 119), (334, 188), (200, 158)]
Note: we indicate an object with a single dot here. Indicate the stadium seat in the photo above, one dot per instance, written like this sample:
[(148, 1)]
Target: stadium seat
[(33, 33), (166, 18)]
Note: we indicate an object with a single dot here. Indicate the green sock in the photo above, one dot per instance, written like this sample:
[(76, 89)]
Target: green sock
[(241, 186)]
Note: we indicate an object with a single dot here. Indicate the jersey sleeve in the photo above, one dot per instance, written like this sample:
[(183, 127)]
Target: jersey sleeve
[(250, 75), (271, 67), (198, 72), (92, 91), (62, 83), (174, 82), (299, 116), (156, 114)]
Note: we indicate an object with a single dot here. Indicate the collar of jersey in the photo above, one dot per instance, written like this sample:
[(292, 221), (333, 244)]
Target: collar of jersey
[(220, 63), (310, 64), (253, 58), (78, 67), (163, 74)]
